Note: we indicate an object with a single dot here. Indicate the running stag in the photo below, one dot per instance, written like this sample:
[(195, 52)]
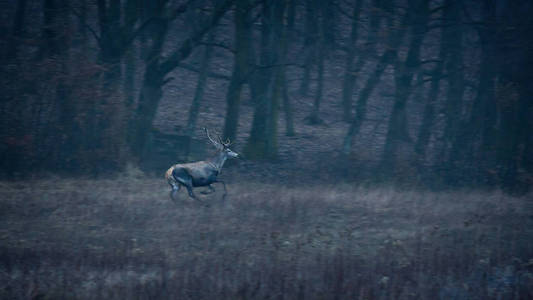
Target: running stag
[(200, 173)]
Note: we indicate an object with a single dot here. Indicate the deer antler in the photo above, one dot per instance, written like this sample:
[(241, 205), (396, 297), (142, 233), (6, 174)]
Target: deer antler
[(227, 142), (212, 141), (224, 143)]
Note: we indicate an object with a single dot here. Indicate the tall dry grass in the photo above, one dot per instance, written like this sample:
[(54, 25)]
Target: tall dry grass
[(124, 239)]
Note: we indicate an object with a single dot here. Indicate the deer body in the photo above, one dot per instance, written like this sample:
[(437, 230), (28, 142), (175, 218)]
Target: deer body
[(200, 173)]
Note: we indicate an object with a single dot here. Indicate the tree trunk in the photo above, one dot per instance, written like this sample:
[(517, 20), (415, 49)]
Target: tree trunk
[(311, 36), (368, 54), (156, 71), (49, 45), (325, 41), (116, 24), (279, 38), (130, 67), (514, 120), (428, 116), (289, 34), (256, 147), (272, 121), (398, 124), (262, 142), (151, 89), (66, 140), (454, 67), (314, 118), (243, 35), (17, 30), (360, 109), (394, 39), (328, 11), (348, 84), (376, 17), (82, 23), (151, 93), (131, 9), (111, 42), (200, 86), (511, 119), (480, 128), (287, 107), (481, 125)]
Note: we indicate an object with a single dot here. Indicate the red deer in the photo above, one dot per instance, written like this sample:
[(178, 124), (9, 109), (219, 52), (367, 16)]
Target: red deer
[(200, 173)]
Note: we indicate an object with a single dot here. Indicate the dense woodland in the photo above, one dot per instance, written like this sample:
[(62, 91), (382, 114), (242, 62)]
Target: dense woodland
[(427, 91), (387, 149)]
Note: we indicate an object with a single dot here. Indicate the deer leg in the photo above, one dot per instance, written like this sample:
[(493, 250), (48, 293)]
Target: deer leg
[(175, 187), (185, 179), (211, 190), (192, 195), (191, 192), (173, 184), (187, 182), (174, 192), (182, 177), (225, 190)]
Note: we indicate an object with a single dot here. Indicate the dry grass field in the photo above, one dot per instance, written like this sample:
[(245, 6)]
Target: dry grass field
[(123, 238)]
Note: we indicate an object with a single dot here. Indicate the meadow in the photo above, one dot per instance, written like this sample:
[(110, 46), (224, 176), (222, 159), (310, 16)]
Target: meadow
[(123, 238)]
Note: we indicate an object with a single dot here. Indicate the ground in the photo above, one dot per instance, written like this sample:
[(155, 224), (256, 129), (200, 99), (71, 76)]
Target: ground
[(122, 238)]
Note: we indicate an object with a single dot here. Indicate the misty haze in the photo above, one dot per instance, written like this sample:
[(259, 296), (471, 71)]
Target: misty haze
[(266, 149)]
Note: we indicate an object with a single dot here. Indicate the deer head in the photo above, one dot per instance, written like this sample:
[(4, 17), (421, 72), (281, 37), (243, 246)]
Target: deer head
[(222, 146)]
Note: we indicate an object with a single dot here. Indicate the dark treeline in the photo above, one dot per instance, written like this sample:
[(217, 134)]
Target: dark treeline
[(448, 80)]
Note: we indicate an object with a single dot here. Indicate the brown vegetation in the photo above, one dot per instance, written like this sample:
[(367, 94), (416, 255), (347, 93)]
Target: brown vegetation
[(123, 238)]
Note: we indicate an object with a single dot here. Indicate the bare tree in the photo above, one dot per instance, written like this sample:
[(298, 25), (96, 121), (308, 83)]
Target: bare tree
[(194, 110), (288, 36), (241, 68), (262, 142), (453, 64), (348, 84), (310, 42), (397, 131), (157, 68), (395, 37)]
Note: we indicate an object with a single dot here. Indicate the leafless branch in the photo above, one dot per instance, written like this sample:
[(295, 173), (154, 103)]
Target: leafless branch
[(225, 47), (210, 74), (93, 32)]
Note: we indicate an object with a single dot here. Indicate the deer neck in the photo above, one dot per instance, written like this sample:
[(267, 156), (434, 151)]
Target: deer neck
[(219, 160)]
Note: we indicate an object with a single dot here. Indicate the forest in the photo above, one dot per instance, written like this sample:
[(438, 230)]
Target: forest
[(386, 149)]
